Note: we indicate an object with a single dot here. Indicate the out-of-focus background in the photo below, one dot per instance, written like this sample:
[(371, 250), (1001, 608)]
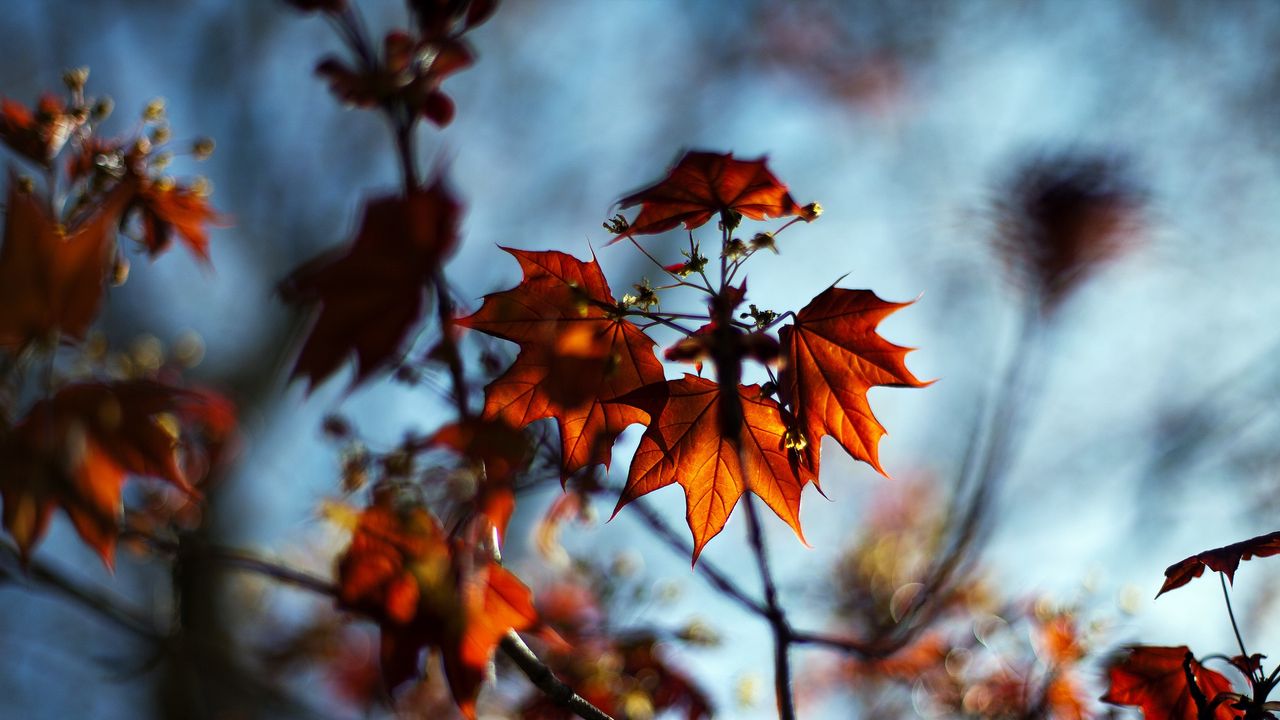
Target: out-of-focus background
[(1151, 435)]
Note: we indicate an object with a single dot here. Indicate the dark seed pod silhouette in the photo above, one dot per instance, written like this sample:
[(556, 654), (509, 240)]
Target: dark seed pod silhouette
[(1063, 217)]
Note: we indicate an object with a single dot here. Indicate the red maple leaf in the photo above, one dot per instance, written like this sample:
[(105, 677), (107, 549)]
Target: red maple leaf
[(76, 449), (370, 294), (703, 184), (575, 354), (52, 276), (502, 452), (401, 76), (684, 444), (833, 355), (39, 135), (1155, 680), (1224, 560), (167, 209), (401, 570)]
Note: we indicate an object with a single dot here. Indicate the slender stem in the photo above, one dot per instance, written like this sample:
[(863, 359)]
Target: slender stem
[(449, 346), (782, 634), (404, 144), (668, 315), (985, 464), (1226, 596)]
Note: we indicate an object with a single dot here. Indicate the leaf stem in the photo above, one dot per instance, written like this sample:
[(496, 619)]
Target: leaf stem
[(1235, 628)]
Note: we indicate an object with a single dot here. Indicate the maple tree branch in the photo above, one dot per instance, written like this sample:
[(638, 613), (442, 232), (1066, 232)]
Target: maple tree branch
[(720, 580), (524, 658), (782, 634), (844, 645), (107, 607), (546, 681), (985, 463), (712, 574)]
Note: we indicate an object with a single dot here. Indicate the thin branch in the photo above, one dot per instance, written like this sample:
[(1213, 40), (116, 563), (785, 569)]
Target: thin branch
[(712, 574), (782, 634), (720, 580), (101, 603), (546, 681), (524, 658)]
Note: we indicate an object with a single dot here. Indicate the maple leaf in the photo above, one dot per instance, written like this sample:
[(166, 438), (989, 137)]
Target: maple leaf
[(370, 294), (1224, 560), (1155, 680), (1065, 697), (401, 570), (38, 136), (574, 355), (833, 356), (76, 449), (684, 444), (52, 276), (409, 73), (168, 209), (501, 450), (703, 184)]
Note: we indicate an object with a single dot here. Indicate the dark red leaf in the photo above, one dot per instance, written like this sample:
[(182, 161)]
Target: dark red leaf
[(1224, 560), (703, 184), (1155, 680), (370, 294)]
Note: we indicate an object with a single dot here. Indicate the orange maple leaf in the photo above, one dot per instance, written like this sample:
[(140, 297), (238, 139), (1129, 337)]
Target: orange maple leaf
[(833, 355), (402, 571), (574, 355), (76, 449), (1155, 679), (52, 276), (703, 184), (1224, 560), (684, 444), (501, 450), (167, 209), (370, 294)]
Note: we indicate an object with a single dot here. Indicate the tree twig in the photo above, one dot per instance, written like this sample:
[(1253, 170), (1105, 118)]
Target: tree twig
[(782, 635)]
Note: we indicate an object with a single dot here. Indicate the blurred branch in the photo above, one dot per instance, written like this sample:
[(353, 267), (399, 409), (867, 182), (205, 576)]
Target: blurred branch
[(101, 603), (782, 635), (533, 668), (546, 681), (709, 571), (113, 609), (986, 461), (719, 579)]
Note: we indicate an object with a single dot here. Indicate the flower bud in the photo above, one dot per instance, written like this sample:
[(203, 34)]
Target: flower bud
[(202, 148), (102, 108), (154, 111), (75, 78)]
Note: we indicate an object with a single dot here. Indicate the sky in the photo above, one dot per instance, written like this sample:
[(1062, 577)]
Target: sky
[(903, 119)]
